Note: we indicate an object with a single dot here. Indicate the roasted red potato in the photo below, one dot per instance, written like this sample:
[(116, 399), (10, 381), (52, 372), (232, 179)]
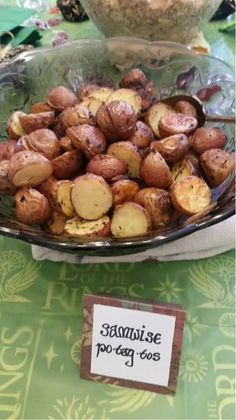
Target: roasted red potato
[(86, 90), (87, 228), (107, 166), (43, 141), (7, 149), (66, 144), (91, 197), (184, 107), (87, 138), (102, 94), (171, 148), (127, 153), (217, 165), (61, 97), (28, 168), (40, 107), (130, 219), (6, 186), (154, 115), (14, 127), (124, 190), (158, 204), (32, 122), (142, 136), (126, 95), (177, 124), (183, 168), (190, 195), (67, 165), (134, 79), (155, 171), (56, 223), (206, 138), (31, 206)]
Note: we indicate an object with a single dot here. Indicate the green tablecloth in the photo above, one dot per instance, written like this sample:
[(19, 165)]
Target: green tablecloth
[(41, 325)]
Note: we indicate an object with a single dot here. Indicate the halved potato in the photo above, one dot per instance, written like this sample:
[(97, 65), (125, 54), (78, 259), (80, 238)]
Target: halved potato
[(40, 107), (93, 104), (158, 204), (217, 165), (31, 206), (126, 95), (130, 219), (102, 94), (61, 97), (155, 172), (82, 228), (127, 152), (124, 190), (107, 166), (7, 149), (87, 138), (56, 223), (171, 148), (177, 124), (67, 165), (14, 127), (134, 79), (29, 168), (206, 138), (86, 90), (43, 141), (155, 113), (142, 136), (182, 169), (64, 197), (184, 107), (66, 144), (91, 196), (6, 186), (190, 195), (32, 122)]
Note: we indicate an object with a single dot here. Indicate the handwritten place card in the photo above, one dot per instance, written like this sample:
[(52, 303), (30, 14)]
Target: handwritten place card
[(132, 343)]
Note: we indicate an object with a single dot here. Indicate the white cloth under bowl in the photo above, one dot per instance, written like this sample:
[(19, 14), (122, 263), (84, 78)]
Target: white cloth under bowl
[(201, 244)]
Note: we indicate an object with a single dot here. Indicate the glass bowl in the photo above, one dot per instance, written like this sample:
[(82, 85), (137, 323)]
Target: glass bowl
[(174, 69), (154, 20)]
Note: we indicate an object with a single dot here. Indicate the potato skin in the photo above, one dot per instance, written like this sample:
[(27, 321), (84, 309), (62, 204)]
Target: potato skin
[(56, 223), (25, 160), (190, 195), (106, 166), (31, 206), (142, 136), (14, 127), (128, 153), (6, 186), (177, 124), (32, 122), (154, 115), (43, 141), (124, 190), (86, 90), (66, 144), (184, 107), (158, 204), (117, 120), (171, 148), (155, 171), (40, 107), (67, 165), (133, 79), (217, 165), (87, 138), (206, 138), (7, 149), (61, 97)]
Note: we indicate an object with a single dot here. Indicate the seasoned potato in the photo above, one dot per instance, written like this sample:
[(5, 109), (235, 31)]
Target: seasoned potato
[(43, 141), (126, 95), (127, 152), (31, 206), (102, 94), (130, 219), (7, 149), (183, 168), (40, 107), (93, 106), (86, 90), (184, 107), (91, 197), (32, 122), (66, 144), (87, 138), (6, 186), (217, 165), (190, 195), (124, 190), (107, 166), (158, 204), (117, 120), (133, 79), (56, 223), (14, 127), (177, 124), (64, 197), (61, 97), (75, 115), (171, 148), (28, 168), (142, 136), (155, 171), (155, 113), (67, 165), (49, 189), (206, 138), (82, 228)]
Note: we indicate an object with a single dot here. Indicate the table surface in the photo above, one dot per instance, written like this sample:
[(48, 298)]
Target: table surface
[(41, 323)]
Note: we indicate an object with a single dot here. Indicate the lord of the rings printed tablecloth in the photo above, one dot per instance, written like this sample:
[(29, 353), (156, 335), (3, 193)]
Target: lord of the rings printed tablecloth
[(41, 328)]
